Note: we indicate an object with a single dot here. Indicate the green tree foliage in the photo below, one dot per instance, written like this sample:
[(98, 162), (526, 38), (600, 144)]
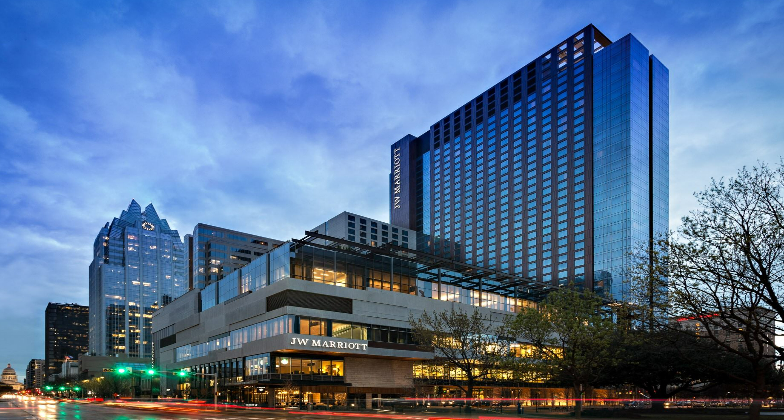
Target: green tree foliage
[(110, 385), (470, 342), (573, 336), (664, 362)]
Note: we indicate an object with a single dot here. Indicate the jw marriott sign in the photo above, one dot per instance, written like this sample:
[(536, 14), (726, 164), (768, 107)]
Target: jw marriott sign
[(326, 343)]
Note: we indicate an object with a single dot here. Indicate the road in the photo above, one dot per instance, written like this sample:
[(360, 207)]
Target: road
[(29, 410), (43, 409)]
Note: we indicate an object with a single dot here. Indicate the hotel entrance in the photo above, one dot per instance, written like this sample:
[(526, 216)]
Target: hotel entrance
[(255, 396)]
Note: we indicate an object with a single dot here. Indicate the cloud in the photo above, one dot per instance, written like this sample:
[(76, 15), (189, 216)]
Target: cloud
[(235, 15)]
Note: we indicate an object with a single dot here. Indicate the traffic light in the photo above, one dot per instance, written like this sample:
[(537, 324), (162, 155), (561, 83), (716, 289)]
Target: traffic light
[(48, 388), (124, 370), (62, 388), (76, 388), (182, 373), (151, 371)]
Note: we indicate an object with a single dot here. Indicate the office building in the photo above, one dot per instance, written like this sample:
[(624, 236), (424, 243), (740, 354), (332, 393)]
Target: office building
[(364, 230), (556, 173), (138, 266), (35, 375), (216, 252), (66, 334)]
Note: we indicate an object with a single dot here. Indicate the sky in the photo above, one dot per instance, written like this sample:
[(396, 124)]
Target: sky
[(272, 117)]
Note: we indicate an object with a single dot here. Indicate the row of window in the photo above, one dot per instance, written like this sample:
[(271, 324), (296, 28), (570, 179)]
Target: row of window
[(354, 330), (236, 338), (562, 148), (263, 364), (363, 224), (296, 325)]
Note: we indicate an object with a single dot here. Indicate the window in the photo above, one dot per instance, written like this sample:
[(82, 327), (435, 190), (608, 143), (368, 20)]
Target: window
[(308, 366), (353, 331), (312, 326)]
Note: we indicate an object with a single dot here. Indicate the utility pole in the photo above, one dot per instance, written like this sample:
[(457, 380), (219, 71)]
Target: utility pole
[(214, 383)]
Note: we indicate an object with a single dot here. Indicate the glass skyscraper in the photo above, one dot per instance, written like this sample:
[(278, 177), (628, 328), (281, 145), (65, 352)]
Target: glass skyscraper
[(215, 252), (555, 173), (138, 266)]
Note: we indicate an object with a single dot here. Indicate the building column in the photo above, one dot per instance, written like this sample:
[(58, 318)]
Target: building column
[(270, 397), (369, 401)]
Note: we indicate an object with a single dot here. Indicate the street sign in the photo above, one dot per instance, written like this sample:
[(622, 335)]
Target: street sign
[(108, 370)]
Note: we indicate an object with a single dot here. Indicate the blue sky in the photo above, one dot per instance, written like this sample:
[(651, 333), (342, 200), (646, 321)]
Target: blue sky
[(271, 117)]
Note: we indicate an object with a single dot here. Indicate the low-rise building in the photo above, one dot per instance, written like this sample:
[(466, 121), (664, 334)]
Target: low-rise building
[(364, 230), (321, 320), (730, 330), (97, 366)]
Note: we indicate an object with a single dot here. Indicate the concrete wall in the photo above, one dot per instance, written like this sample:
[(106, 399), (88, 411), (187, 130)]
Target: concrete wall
[(366, 372)]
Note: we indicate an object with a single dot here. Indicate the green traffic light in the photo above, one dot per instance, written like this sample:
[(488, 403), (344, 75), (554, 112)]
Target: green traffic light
[(151, 372), (121, 370), (76, 388), (48, 388), (182, 373), (62, 388)]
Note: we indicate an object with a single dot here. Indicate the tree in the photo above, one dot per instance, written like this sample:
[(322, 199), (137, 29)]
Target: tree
[(572, 335), (664, 362), (657, 355), (108, 386), (468, 342), (727, 270)]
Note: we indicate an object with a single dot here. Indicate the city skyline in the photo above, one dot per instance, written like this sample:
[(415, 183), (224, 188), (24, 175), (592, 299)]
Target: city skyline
[(126, 79)]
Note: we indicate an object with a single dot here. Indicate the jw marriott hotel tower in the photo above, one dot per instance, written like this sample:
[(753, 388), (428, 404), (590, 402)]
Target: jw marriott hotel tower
[(556, 173)]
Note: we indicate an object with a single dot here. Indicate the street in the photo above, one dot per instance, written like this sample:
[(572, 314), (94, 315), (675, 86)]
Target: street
[(13, 409), (42, 409)]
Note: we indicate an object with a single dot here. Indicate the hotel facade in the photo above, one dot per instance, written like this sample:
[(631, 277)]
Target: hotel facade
[(325, 320), (555, 173), (548, 178)]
